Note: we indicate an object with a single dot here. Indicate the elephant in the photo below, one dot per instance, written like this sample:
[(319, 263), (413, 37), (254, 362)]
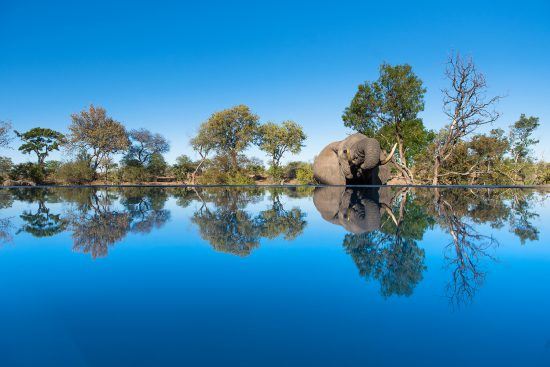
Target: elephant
[(357, 210), (356, 160)]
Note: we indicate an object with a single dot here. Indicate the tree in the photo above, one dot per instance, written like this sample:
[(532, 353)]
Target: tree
[(145, 144), (387, 109), (5, 136), (157, 165), (276, 140), (203, 145), (40, 141), (521, 137), (97, 134), (229, 132), (183, 167), (466, 106)]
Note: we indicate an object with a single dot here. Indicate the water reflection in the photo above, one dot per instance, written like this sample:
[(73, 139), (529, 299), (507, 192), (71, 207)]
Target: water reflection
[(229, 227), (384, 227)]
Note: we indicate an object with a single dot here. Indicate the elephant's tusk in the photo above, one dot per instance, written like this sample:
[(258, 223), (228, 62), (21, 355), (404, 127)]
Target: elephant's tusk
[(389, 156)]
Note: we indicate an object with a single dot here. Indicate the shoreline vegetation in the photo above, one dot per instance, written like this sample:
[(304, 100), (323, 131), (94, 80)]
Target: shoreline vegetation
[(387, 109)]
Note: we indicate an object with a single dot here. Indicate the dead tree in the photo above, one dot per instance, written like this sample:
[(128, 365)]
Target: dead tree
[(466, 105)]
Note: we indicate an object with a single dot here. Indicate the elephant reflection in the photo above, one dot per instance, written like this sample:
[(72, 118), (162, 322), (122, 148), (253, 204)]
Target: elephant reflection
[(357, 210)]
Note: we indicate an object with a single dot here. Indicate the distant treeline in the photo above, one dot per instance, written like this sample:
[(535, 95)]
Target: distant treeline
[(386, 109)]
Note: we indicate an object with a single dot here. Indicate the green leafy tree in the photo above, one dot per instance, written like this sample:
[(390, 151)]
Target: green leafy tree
[(388, 109), (521, 137), (183, 167), (229, 132), (40, 141), (97, 134), (276, 140), (157, 165)]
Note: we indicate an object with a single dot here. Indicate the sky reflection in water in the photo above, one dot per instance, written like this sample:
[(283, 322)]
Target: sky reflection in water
[(303, 276)]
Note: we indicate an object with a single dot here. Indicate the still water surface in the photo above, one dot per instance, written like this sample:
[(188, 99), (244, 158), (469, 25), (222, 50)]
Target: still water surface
[(274, 277)]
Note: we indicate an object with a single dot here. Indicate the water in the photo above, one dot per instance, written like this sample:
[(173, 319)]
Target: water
[(254, 277)]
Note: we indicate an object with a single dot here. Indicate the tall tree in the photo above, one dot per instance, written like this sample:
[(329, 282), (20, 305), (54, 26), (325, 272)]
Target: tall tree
[(388, 110), (97, 134), (521, 137), (40, 141), (145, 144), (276, 140), (465, 105), (230, 131)]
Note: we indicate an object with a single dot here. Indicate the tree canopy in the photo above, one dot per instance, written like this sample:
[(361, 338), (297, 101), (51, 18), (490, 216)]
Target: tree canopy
[(388, 109), (145, 144), (276, 140), (93, 131), (229, 132), (40, 141)]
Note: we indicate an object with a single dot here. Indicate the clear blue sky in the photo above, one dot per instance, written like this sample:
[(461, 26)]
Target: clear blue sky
[(167, 66)]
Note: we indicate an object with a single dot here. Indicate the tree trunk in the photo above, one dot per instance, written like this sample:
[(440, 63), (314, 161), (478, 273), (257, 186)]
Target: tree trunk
[(437, 165), (234, 160)]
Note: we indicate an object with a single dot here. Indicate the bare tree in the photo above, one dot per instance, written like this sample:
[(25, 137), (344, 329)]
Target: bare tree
[(466, 105), (5, 134)]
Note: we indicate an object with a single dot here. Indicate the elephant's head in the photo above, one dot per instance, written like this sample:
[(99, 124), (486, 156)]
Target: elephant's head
[(366, 154)]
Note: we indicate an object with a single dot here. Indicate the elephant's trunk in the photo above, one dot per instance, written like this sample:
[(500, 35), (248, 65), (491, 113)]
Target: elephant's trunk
[(389, 156)]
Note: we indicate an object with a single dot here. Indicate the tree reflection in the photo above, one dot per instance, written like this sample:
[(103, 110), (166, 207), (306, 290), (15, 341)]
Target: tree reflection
[(390, 253), (97, 225), (228, 227), (146, 208), (468, 248)]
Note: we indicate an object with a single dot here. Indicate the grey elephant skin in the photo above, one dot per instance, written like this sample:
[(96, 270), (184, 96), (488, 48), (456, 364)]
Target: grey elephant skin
[(357, 210), (356, 160)]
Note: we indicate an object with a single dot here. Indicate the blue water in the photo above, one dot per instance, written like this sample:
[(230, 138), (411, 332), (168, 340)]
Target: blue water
[(280, 277)]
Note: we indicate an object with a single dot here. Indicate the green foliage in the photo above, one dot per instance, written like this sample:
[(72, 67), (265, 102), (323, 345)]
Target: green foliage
[(157, 165), (28, 172), (228, 132), (75, 172), (40, 141), (183, 168), (521, 139), (304, 174), (276, 140), (387, 109)]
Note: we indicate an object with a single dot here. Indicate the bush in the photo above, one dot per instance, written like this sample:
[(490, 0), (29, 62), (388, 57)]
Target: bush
[(75, 172), (27, 171), (304, 174), (134, 173), (213, 176)]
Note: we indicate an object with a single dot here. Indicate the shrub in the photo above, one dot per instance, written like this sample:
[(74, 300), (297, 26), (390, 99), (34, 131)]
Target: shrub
[(27, 171), (75, 172), (134, 173), (304, 174)]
